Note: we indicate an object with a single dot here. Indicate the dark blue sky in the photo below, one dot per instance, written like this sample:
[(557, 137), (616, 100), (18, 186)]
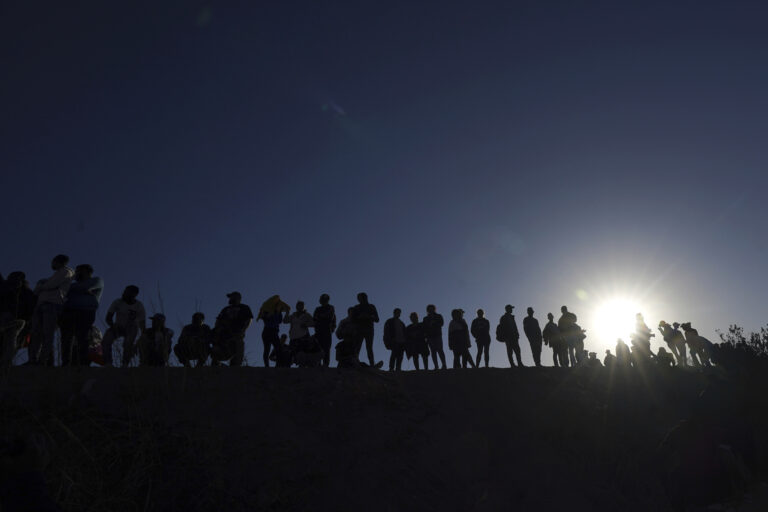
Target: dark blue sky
[(536, 153)]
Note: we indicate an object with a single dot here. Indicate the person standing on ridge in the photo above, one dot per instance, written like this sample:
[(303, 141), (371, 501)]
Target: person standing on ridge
[(533, 333), (416, 344), (126, 318), (394, 340), (481, 331), (433, 330), (507, 333), (570, 332), (325, 323), (365, 315), (458, 340), (551, 337), (51, 294), (79, 315), (271, 313), (229, 331)]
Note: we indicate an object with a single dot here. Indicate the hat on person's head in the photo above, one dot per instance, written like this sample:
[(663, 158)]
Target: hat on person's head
[(235, 294), (157, 316)]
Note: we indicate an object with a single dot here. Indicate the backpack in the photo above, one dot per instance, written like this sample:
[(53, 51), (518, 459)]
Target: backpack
[(498, 333)]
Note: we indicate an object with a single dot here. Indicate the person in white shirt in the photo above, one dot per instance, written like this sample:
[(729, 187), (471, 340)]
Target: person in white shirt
[(51, 294), (300, 322), (126, 318)]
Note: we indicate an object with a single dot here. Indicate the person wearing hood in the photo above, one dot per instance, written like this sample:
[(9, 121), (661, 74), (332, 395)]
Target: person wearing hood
[(458, 340), (51, 294), (79, 315), (507, 333)]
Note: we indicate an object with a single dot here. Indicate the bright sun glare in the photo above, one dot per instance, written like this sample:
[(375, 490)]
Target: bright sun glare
[(615, 318)]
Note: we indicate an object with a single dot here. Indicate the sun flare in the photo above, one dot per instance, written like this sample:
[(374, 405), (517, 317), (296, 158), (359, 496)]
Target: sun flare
[(615, 318)]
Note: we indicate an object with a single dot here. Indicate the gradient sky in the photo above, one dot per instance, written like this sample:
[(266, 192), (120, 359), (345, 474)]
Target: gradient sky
[(464, 154)]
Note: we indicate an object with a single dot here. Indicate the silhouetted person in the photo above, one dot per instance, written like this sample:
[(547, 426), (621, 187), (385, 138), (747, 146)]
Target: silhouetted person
[(282, 355), (664, 358), (307, 352), (481, 331), (155, 343), (641, 340), (699, 345), (668, 333), (17, 305), (79, 315), (126, 319), (533, 333), (507, 333), (416, 342), (194, 342), (348, 348), (569, 330), (229, 331), (458, 340), (592, 361), (679, 341), (365, 315), (394, 340), (579, 336), (271, 313), (51, 294), (623, 358), (300, 322), (325, 323), (433, 330), (554, 339), (609, 360)]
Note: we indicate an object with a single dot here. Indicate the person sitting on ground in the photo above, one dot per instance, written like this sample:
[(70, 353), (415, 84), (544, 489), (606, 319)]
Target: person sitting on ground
[(79, 315), (282, 354), (194, 342), (17, 305), (51, 294), (300, 322), (271, 313), (416, 342), (126, 318), (533, 333), (433, 330), (155, 343), (507, 333), (347, 348), (592, 361), (394, 340), (307, 352), (664, 358), (458, 340), (325, 323), (229, 332), (481, 331), (609, 360)]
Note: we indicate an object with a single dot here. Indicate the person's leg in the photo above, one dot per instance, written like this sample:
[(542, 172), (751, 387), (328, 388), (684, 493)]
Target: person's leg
[(510, 354), (36, 335), (536, 350), (516, 348), (425, 358), (67, 322), (572, 351), (9, 332), (479, 354), (399, 358), (468, 359), (325, 338), (683, 355), (441, 353), (266, 338), (129, 344), (433, 351), (369, 346), (456, 359), (106, 346), (392, 360), (85, 321), (50, 324), (239, 351)]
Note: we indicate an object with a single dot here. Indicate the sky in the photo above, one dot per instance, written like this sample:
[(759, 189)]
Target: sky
[(466, 154)]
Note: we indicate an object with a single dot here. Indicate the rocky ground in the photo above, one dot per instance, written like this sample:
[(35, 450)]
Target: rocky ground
[(326, 439)]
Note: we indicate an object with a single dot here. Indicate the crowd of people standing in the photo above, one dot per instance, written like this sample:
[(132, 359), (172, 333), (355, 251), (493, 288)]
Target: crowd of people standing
[(67, 301)]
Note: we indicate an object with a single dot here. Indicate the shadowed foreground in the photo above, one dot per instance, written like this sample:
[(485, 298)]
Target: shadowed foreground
[(325, 439)]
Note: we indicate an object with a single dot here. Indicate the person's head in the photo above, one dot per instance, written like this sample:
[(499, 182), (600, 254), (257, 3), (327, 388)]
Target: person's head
[(396, 313), (234, 298), (508, 308), (362, 298), (158, 320), (300, 306), (663, 324), (593, 355), (675, 325), (198, 319), (349, 311), (480, 313), (59, 261), (130, 293), (456, 314), (83, 271), (16, 279), (564, 309), (324, 299), (414, 318), (608, 352), (431, 308), (550, 316), (530, 311)]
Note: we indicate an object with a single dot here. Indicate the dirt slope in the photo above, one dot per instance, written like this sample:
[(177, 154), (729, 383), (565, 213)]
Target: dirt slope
[(325, 439)]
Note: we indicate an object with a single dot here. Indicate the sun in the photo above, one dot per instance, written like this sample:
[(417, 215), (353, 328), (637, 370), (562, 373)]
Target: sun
[(615, 318)]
